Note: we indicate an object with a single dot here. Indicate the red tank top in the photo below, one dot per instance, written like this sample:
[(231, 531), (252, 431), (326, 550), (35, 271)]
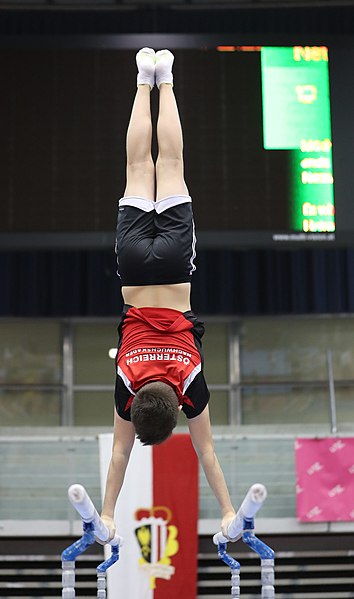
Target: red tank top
[(158, 344)]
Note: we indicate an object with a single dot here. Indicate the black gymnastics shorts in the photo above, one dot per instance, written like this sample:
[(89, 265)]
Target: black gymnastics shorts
[(155, 241)]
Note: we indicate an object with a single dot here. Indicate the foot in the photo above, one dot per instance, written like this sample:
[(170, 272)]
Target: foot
[(145, 60), (163, 68)]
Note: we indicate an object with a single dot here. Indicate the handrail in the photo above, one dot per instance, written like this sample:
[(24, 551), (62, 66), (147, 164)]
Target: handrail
[(294, 383)]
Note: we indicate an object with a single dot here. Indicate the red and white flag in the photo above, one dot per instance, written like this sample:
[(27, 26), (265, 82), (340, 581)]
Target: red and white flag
[(157, 515)]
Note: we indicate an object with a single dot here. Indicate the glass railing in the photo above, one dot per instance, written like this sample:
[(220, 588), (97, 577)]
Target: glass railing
[(36, 472)]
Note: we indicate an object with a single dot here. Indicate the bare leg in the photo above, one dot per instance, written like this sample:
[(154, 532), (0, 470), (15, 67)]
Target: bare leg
[(140, 166), (169, 165)]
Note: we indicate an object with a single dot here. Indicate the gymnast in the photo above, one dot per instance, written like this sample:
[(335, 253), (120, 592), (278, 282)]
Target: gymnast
[(159, 360)]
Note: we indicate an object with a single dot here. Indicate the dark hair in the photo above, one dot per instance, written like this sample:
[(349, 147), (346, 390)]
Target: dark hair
[(154, 412)]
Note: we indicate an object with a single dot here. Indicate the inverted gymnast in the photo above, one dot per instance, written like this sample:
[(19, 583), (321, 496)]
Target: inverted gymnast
[(159, 359)]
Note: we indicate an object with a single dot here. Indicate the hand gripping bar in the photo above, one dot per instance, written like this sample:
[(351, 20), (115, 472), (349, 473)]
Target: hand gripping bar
[(81, 501), (249, 507)]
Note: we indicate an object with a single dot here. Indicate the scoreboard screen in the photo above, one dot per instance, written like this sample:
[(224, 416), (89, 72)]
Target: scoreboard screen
[(297, 118), (267, 137)]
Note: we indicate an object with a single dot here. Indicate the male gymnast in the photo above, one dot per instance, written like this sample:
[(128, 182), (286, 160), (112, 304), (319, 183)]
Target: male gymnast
[(159, 359)]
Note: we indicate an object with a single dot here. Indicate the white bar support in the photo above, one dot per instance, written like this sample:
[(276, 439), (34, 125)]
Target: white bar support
[(81, 501), (253, 501)]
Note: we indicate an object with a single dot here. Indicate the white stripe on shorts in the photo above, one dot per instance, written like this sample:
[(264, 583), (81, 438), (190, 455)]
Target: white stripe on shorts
[(170, 201), (149, 205), (194, 253), (137, 202)]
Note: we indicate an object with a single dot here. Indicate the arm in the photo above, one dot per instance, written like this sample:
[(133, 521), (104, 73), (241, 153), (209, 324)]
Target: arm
[(123, 441), (200, 431)]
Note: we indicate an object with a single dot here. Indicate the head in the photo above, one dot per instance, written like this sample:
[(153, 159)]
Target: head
[(154, 412)]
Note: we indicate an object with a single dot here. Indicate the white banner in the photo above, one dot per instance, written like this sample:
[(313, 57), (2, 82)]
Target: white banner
[(125, 579)]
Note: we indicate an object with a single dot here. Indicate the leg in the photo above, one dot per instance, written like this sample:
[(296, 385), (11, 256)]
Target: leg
[(140, 167), (169, 165)]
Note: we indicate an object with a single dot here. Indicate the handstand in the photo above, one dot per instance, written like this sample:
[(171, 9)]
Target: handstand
[(159, 359)]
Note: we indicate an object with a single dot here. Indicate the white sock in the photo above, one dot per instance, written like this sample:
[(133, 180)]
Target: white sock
[(163, 69), (145, 60)]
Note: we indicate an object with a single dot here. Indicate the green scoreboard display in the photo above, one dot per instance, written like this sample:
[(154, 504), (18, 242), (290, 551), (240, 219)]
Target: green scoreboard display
[(296, 117)]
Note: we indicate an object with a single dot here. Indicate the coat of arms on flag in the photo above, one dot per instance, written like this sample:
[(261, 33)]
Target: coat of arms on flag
[(158, 542)]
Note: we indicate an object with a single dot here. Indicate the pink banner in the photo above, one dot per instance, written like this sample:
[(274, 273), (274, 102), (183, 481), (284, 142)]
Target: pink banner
[(325, 479)]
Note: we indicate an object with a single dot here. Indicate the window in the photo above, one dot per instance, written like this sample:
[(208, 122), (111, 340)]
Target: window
[(260, 371), (286, 364), (31, 389)]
